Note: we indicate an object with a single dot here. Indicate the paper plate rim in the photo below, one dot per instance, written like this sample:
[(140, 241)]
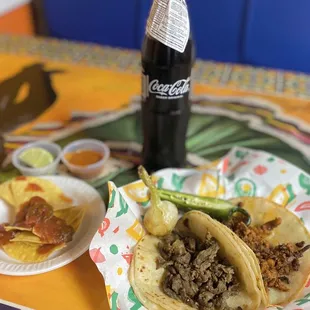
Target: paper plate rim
[(92, 220)]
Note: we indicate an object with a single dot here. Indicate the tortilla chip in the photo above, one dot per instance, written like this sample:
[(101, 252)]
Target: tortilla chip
[(6, 193), (9, 228), (26, 236), (25, 188), (27, 252), (73, 216)]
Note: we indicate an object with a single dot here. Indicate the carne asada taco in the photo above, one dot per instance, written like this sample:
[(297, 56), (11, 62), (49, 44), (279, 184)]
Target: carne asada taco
[(197, 266), (280, 242)]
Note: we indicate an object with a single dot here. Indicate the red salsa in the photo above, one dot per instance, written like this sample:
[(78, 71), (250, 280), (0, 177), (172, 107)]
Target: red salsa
[(37, 215)]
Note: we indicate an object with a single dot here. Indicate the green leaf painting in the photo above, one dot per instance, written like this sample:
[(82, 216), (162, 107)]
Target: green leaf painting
[(112, 199), (178, 182), (160, 183), (145, 203), (304, 182), (241, 154), (303, 301), (290, 192), (208, 136), (123, 207), (114, 297), (133, 298), (271, 159)]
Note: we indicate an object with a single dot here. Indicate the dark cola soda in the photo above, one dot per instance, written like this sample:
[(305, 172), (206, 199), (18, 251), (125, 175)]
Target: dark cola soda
[(167, 59)]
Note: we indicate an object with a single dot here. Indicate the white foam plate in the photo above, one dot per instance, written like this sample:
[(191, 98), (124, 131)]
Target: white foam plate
[(82, 194)]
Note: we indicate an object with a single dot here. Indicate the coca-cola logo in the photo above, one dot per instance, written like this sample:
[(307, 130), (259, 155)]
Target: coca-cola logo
[(178, 88)]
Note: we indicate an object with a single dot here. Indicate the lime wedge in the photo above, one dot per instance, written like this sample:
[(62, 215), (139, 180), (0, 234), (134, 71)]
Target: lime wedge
[(36, 157)]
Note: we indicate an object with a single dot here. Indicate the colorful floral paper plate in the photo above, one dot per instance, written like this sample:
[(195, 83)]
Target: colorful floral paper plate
[(242, 172)]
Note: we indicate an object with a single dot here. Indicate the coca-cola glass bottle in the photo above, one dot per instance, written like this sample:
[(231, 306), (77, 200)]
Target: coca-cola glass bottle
[(167, 60)]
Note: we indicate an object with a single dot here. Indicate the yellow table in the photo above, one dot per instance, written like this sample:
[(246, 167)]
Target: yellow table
[(91, 78), (78, 285)]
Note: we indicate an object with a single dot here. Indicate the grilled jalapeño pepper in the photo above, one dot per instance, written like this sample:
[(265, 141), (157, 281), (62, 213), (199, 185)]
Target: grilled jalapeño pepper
[(219, 209)]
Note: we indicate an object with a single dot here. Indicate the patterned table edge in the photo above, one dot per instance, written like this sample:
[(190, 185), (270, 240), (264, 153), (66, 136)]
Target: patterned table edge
[(233, 76)]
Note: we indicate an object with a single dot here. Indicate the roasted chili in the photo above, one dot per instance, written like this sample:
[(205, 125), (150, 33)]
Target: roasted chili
[(219, 209)]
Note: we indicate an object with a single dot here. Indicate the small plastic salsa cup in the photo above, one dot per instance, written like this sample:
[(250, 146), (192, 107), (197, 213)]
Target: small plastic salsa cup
[(50, 169), (86, 171)]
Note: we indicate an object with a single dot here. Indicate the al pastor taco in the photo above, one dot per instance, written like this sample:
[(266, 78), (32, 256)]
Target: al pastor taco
[(280, 242)]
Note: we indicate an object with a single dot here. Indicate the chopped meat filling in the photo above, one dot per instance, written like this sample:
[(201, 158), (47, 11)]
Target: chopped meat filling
[(276, 262), (195, 274)]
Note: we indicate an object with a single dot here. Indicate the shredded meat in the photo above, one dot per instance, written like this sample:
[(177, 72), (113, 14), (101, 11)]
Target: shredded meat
[(276, 262), (194, 272)]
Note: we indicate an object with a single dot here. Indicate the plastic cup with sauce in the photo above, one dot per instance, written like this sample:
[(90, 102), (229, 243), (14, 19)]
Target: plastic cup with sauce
[(85, 158)]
